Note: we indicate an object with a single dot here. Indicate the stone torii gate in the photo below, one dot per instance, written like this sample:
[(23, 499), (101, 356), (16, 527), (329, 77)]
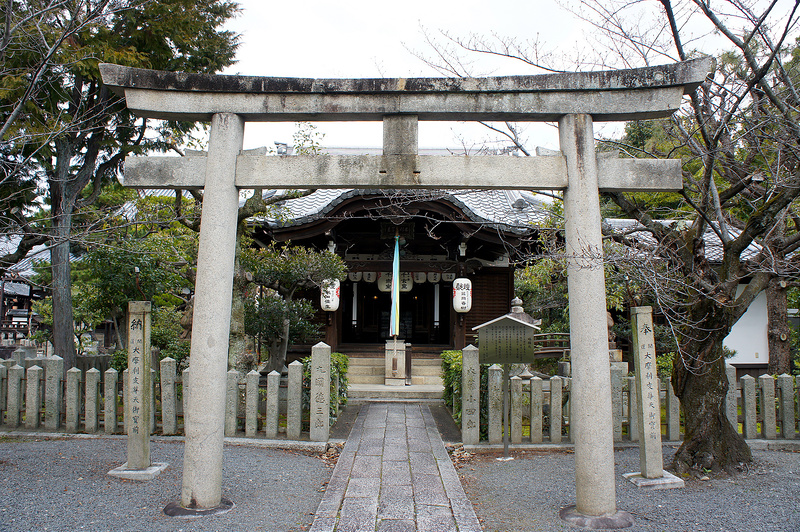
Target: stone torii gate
[(574, 100)]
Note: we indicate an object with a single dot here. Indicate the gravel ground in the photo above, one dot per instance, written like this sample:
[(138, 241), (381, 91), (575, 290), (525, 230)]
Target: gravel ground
[(526, 494), (63, 484)]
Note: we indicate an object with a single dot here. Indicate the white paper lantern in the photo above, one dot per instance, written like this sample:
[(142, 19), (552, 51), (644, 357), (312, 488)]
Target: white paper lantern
[(329, 295), (384, 281), (462, 295), (406, 281), (355, 276), (420, 277), (448, 277), (370, 277), (434, 277)]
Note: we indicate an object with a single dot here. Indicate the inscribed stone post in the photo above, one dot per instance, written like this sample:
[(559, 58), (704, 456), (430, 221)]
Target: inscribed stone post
[(786, 388), (748, 406), (15, 375), (138, 394), (73, 414), (294, 401), (110, 400), (137, 406), (536, 410), (650, 455), (53, 373), (768, 421), (231, 402), (320, 392), (495, 404), (470, 395), (92, 402), (33, 397), (169, 414), (273, 395), (251, 404), (516, 409)]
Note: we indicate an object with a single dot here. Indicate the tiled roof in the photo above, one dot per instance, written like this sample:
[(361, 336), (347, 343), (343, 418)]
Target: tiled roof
[(511, 210), (713, 244)]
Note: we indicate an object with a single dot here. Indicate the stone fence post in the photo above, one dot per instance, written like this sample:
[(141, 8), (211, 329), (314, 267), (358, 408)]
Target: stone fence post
[(169, 398), (273, 402), (110, 387), (748, 406), (15, 375), (536, 410), (294, 401), (495, 404), (768, 422), (53, 373), (92, 401), (786, 390), (33, 397)]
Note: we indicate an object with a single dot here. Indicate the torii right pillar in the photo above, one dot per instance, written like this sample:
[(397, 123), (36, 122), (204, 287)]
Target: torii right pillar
[(591, 417)]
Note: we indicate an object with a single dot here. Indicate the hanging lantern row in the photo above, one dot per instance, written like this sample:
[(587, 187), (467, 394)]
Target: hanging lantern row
[(416, 277)]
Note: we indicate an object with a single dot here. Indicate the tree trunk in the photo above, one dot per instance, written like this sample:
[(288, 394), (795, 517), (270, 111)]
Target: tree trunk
[(63, 323), (278, 350), (780, 357), (699, 380)]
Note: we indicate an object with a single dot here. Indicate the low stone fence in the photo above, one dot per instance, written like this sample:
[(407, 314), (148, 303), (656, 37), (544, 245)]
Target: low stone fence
[(540, 409), (37, 396)]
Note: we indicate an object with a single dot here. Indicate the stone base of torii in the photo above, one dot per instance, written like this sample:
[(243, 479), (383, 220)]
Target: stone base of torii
[(574, 100)]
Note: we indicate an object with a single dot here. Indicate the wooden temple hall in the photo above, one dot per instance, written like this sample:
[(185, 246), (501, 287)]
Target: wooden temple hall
[(443, 236)]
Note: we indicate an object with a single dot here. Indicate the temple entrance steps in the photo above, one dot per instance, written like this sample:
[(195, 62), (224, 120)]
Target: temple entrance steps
[(358, 394), (372, 370)]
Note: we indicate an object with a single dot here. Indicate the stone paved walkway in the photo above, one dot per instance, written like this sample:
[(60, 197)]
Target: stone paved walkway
[(394, 474)]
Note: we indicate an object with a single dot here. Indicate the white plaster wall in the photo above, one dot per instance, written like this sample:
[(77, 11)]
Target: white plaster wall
[(749, 335)]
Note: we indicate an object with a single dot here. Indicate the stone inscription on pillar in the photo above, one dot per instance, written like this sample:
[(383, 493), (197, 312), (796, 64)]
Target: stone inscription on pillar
[(470, 396), (138, 397), (650, 458), (137, 415), (320, 392)]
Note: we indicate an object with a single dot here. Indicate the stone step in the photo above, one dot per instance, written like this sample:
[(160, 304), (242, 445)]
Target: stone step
[(366, 379), (426, 379), (365, 393), (365, 361), (366, 370)]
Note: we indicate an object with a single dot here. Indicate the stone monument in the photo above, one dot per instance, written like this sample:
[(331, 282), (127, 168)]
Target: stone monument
[(138, 399)]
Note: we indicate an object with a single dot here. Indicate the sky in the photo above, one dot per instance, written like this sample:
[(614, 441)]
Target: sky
[(358, 38)]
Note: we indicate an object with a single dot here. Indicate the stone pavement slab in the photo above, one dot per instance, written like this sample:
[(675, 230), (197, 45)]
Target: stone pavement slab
[(394, 474)]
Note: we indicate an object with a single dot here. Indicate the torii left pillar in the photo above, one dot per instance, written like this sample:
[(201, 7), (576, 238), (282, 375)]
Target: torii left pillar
[(205, 416)]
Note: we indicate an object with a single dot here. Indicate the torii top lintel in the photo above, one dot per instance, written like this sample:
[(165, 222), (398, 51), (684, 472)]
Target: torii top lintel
[(613, 95)]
